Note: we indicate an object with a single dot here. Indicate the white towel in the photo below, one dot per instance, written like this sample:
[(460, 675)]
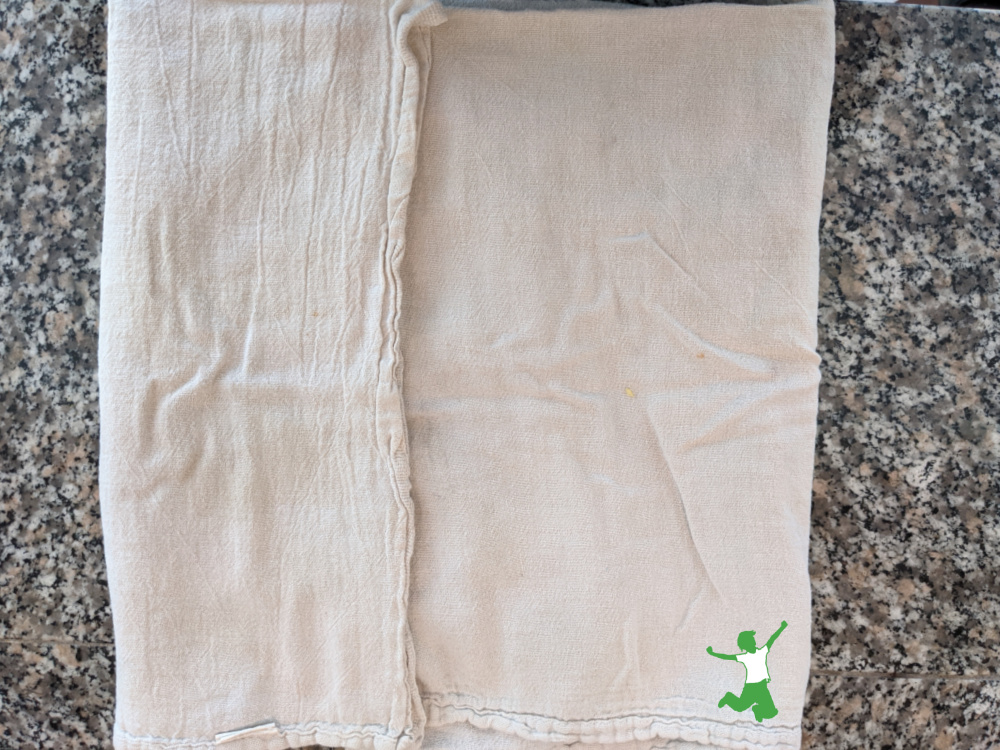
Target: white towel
[(580, 239)]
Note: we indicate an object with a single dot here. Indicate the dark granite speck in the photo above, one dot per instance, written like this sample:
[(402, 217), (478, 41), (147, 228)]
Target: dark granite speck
[(906, 524)]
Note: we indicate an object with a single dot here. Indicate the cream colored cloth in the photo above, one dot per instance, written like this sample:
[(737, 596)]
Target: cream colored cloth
[(458, 372)]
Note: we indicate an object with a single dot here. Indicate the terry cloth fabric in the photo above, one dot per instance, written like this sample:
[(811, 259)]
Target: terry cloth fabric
[(457, 370)]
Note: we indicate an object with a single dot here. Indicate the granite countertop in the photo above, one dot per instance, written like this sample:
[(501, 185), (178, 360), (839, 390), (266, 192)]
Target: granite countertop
[(905, 546)]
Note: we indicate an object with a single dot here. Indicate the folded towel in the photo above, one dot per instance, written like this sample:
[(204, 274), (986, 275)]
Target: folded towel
[(458, 372)]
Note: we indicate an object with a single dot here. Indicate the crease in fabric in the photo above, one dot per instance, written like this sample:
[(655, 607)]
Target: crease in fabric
[(408, 20)]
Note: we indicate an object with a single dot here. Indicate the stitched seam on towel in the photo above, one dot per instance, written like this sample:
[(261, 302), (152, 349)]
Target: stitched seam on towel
[(640, 725), (446, 700), (718, 732)]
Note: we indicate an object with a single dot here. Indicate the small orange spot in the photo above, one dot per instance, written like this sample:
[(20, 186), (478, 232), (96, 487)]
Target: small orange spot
[(701, 355), (628, 392), (316, 314)]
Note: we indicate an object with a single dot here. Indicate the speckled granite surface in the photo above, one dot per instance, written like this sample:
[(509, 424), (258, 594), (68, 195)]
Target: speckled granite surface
[(906, 518), (906, 521)]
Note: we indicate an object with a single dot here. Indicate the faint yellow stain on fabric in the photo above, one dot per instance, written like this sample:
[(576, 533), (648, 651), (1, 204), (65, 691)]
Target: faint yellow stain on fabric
[(628, 392)]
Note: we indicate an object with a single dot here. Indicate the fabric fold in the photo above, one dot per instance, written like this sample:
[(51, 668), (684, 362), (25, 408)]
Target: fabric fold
[(458, 371), (609, 330), (255, 503)]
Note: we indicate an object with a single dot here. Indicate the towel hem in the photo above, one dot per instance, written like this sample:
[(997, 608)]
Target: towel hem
[(641, 725), (350, 737)]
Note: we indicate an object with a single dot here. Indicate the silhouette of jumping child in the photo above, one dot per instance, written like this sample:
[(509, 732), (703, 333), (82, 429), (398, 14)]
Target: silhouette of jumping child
[(755, 692)]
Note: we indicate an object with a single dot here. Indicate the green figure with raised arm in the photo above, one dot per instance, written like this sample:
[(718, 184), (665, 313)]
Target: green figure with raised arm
[(755, 692)]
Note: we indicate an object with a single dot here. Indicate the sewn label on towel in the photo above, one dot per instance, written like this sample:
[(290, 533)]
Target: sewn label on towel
[(257, 730)]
